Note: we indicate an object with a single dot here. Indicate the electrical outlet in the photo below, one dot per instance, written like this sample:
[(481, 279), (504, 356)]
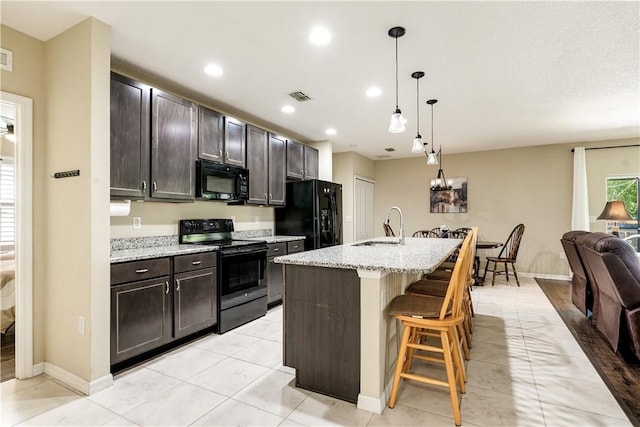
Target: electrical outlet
[(562, 255), (137, 222)]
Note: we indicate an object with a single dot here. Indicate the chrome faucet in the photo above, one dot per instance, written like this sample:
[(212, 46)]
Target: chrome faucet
[(386, 221)]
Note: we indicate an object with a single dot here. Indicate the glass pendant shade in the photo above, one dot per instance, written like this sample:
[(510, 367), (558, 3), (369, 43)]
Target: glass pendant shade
[(418, 146), (397, 122), (432, 158)]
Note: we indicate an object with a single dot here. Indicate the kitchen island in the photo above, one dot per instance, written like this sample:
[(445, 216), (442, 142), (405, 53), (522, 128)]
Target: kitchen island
[(337, 331)]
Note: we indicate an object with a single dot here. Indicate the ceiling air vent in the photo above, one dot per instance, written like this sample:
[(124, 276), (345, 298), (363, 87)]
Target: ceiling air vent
[(299, 96), (6, 59), (390, 149), (384, 156)]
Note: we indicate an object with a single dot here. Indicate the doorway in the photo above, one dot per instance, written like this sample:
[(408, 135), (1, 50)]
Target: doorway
[(363, 209), (16, 225)]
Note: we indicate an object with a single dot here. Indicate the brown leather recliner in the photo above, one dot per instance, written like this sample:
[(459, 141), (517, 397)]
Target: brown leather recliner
[(615, 267), (581, 294), (589, 240)]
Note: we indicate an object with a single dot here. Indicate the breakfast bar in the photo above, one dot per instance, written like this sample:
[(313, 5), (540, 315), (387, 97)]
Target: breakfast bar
[(337, 331)]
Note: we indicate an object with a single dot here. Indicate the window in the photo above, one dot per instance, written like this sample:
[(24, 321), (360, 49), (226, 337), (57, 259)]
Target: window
[(626, 190), (7, 202)]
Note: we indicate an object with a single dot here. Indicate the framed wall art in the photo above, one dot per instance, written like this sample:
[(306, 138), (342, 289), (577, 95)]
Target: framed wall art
[(450, 200)]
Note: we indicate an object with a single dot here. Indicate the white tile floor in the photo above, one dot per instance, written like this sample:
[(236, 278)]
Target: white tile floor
[(525, 369)]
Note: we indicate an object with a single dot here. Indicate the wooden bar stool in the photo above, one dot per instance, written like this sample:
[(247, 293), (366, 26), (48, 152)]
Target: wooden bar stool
[(428, 316)]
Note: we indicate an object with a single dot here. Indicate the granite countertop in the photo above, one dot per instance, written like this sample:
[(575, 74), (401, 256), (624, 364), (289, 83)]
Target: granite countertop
[(417, 255), (135, 254), (277, 239)]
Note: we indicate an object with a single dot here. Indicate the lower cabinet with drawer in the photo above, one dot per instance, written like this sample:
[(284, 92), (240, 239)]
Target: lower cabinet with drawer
[(141, 317), (157, 301), (274, 271)]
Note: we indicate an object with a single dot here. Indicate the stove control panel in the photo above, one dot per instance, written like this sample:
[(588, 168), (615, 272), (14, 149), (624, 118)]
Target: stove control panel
[(200, 226)]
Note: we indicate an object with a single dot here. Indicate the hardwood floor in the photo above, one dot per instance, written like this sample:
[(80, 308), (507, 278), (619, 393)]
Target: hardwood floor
[(8, 355), (622, 377)]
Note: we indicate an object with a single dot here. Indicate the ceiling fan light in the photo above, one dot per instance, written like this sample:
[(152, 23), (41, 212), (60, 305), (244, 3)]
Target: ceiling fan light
[(397, 122)]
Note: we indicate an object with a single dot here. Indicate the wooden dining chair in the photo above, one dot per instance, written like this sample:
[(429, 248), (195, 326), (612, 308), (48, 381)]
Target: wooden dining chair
[(388, 231), (421, 233), (508, 255), (435, 317)]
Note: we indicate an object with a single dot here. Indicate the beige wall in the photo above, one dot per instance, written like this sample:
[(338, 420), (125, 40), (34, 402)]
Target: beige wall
[(346, 166), (27, 80), (77, 233), (532, 185)]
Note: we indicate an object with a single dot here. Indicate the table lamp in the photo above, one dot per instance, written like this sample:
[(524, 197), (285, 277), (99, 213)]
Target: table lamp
[(615, 211)]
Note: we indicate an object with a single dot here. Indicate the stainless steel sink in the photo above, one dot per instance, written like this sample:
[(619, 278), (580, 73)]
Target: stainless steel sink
[(376, 243)]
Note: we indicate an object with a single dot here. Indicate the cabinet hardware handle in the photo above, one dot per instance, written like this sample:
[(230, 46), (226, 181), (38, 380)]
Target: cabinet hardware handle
[(226, 155), (144, 185), (177, 285), (270, 196), (142, 270), (220, 153), (167, 290), (155, 187), (265, 195), (196, 262), (276, 249)]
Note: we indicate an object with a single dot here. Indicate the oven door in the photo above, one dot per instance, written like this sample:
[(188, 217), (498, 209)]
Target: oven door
[(242, 276)]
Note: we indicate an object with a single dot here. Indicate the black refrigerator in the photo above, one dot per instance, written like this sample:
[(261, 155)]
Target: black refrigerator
[(313, 210)]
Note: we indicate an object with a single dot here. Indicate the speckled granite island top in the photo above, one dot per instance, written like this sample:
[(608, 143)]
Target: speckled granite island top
[(417, 255), (135, 254)]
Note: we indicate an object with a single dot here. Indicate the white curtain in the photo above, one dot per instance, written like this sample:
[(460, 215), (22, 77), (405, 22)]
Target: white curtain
[(580, 206)]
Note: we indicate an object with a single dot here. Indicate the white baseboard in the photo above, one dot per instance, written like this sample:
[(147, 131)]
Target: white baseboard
[(372, 404), (76, 383), (545, 276)]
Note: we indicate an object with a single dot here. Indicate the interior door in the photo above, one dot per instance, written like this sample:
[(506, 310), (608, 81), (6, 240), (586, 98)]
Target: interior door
[(363, 224)]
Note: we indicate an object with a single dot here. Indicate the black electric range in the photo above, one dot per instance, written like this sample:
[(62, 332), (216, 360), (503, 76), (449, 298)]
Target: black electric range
[(242, 288)]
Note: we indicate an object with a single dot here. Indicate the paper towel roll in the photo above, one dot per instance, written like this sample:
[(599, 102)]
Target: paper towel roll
[(120, 208)]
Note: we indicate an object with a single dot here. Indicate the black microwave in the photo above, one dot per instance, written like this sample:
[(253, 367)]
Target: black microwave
[(215, 181)]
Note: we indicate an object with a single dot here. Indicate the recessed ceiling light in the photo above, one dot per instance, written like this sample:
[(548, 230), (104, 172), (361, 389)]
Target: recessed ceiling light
[(287, 109), (374, 92), (320, 36), (330, 131), (213, 70)]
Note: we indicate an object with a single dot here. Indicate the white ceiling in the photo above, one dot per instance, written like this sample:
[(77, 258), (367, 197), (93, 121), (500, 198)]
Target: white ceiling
[(506, 74)]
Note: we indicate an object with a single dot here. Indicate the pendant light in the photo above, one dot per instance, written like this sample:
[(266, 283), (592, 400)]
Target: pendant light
[(432, 159), (397, 121), (418, 146), (440, 183)]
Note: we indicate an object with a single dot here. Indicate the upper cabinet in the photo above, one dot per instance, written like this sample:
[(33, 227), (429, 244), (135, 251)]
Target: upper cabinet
[(173, 144), (302, 161), (258, 165), (234, 142), (220, 139), (266, 163), (130, 118), (210, 135), (310, 163)]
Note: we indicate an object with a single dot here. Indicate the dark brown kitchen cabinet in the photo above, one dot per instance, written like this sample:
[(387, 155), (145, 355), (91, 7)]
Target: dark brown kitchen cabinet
[(274, 271), (210, 135), (258, 165), (302, 161), (234, 142), (295, 160), (277, 173), (141, 317), (195, 300), (173, 144), (310, 163), (130, 116)]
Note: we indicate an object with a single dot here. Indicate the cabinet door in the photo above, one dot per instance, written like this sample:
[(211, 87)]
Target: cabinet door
[(277, 174), (234, 142), (210, 135), (258, 165), (173, 143), (295, 160), (195, 301), (310, 163), (140, 317), (130, 115), (274, 281)]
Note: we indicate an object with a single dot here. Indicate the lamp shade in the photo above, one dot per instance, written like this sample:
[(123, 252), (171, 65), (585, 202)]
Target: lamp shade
[(418, 145), (397, 122), (615, 210)]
